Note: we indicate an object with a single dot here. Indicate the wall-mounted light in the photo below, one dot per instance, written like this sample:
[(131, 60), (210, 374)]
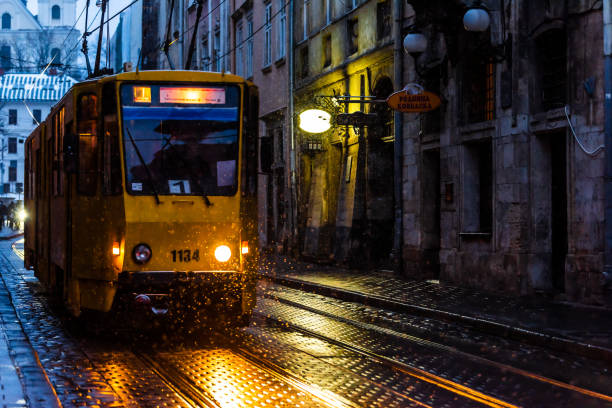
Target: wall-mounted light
[(476, 19), (315, 121)]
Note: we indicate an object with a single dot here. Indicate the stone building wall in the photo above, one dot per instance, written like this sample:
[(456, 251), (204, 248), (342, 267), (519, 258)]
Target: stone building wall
[(518, 203)]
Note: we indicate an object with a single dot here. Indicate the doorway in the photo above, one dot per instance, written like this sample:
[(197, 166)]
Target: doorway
[(431, 213), (558, 211), (549, 206)]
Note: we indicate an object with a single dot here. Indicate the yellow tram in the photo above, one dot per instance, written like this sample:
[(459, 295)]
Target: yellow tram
[(142, 186)]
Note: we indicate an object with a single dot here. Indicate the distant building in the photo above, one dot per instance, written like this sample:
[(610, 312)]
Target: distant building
[(26, 100), (28, 43), (136, 38)]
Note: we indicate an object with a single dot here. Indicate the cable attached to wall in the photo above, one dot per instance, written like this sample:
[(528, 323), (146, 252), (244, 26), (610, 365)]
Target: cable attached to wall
[(590, 153)]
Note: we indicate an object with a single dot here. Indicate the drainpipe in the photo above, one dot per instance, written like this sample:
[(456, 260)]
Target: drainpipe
[(181, 31), (398, 60), (293, 241), (607, 41)]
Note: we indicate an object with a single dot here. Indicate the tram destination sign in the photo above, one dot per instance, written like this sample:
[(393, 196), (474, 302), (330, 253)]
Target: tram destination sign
[(407, 101)]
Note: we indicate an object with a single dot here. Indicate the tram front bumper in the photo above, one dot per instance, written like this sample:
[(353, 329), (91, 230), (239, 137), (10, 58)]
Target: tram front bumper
[(170, 279), (191, 291)]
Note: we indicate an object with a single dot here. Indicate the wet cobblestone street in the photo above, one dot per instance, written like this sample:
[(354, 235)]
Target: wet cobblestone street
[(301, 349)]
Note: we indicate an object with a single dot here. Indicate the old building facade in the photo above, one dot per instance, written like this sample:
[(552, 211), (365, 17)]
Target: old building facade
[(503, 187), (344, 61)]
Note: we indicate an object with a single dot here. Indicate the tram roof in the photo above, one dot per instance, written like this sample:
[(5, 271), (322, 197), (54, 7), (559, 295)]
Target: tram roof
[(170, 76), (34, 87)]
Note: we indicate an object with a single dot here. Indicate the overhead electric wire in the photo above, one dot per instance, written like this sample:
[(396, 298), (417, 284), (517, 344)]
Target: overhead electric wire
[(112, 17), (159, 49), (72, 28), (84, 34)]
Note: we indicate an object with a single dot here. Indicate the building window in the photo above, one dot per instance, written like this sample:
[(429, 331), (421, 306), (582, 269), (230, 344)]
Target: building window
[(268, 36), (383, 19), (217, 50), (6, 21), (249, 59), (303, 62), (239, 49), (552, 68), (305, 20), (327, 51), (12, 145), (282, 26), (328, 12), (478, 187), (479, 89), (55, 12), (352, 28), (56, 56), (37, 116), (205, 53), (5, 57), (13, 170), (12, 116), (431, 121)]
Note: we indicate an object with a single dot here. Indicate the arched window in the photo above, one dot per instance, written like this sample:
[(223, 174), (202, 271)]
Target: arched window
[(55, 12), (6, 21), (5, 57), (55, 56)]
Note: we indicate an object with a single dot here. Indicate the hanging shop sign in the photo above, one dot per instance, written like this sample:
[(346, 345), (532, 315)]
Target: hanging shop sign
[(413, 98)]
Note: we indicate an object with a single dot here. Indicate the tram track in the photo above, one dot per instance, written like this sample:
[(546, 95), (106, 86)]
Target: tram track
[(184, 387), (416, 372), (195, 395)]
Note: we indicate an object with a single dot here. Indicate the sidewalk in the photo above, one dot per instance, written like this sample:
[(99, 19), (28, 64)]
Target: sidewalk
[(572, 328), (23, 382), (7, 233)]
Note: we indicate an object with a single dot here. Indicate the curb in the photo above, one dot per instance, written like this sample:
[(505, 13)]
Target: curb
[(28, 364), (550, 341), (7, 237)]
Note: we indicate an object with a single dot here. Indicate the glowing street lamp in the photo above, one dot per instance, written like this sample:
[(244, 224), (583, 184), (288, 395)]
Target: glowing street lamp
[(315, 121)]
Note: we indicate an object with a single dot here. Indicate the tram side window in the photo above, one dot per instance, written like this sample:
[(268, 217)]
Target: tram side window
[(111, 157), (28, 167), (58, 142), (87, 129)]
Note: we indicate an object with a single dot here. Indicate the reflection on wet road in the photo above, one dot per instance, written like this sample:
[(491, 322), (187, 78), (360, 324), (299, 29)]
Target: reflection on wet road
[(301, 349)]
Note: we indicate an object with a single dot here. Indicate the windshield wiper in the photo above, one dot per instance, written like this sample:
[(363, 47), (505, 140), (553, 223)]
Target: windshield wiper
[(191, 176), (144, 165)]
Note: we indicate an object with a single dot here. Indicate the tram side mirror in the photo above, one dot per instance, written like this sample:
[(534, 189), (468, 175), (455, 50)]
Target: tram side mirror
[(70, 152)]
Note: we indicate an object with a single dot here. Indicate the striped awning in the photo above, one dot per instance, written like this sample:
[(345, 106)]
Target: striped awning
[(34, 87)]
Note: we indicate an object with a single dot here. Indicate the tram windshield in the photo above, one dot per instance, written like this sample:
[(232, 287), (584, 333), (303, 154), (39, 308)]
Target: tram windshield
[(181, 139)]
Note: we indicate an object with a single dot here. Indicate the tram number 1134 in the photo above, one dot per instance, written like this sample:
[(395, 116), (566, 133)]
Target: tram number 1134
[(185, 255)]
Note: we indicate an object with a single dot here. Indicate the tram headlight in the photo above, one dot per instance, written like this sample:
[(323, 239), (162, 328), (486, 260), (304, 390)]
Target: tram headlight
[(223, 253), (142, 253)]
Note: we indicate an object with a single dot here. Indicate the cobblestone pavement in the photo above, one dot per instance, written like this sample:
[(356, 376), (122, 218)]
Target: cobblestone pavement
[(498, 381), (567, 368), (584, 325), (300, 350)]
